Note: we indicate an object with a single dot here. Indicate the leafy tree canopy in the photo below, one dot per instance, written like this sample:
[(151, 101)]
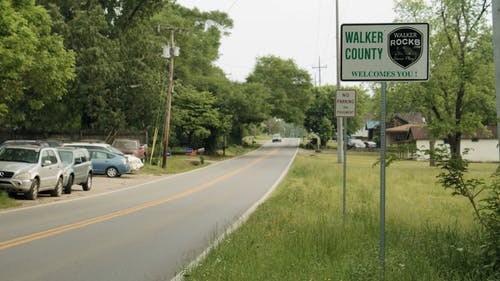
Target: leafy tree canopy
[(193, 115), (459, 97), (290, 87), (34, 65)]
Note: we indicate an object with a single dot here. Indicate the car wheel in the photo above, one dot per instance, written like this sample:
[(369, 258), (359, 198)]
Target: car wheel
[(112, 172), (58, 189), (32, 194), (67, 188), (88, 183)]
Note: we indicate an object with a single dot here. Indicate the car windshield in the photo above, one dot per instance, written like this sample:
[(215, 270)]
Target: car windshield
[(18, 155), (66, 156)]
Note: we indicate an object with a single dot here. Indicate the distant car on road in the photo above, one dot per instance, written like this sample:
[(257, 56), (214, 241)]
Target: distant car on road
[(77, 168), (30, 169), (108, 163), (276, 138)]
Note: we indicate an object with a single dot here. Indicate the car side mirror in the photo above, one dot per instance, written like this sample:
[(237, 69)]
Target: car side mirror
[(47, 163)]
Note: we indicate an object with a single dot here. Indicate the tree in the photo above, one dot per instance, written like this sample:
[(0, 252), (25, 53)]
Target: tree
[(247, 104), (199, 41), (193, 116), (34, 65), (460, 93), (290, 87), (320, 117)]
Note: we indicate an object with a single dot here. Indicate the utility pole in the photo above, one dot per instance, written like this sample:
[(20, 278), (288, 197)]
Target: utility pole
[(319, 67), (172, 51)]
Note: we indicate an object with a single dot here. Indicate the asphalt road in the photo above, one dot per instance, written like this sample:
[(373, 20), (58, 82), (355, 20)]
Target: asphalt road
[(144, 232)]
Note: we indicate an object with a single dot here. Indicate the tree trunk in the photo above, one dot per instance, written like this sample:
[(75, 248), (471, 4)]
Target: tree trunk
[(432, 146), (224, 146), (454, 142)]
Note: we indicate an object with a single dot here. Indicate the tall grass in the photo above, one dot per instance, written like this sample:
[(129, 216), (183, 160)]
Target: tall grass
[(298, 234)]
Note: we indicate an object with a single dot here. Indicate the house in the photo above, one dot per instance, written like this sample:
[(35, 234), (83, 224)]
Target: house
[(482, 147), (371, 130)]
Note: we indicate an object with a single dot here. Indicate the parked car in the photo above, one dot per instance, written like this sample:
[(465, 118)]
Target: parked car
[(30, 169), (48, 143), (134, 162), (132, 147), (77, 168), (355, 143), (370, 144), (93, 145), (276, 138), (25, 142), (108, 163)]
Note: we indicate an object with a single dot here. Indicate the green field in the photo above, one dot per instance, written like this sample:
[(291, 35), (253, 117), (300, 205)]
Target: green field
[(298, 234)]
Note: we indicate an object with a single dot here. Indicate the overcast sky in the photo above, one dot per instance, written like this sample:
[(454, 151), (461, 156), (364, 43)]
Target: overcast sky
[(291, 29)]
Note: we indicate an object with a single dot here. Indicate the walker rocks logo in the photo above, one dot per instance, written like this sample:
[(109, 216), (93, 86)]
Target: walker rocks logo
[(405, 46)]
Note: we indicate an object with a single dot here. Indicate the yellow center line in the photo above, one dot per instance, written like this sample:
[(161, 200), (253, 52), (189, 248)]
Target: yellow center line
[(54, 231)]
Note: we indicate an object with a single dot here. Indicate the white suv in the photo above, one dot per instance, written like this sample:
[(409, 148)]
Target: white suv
[(30, 169)]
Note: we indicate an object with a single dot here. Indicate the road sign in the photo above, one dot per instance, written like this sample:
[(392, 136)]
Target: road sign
[(385, 52), (345, 104)]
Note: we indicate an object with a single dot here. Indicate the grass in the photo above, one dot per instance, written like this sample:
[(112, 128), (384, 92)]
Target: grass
[(175, 164), (183, 163), (298, 234), (6, 201)]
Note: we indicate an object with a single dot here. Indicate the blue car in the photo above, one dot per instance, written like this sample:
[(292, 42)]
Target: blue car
[(108, 163)]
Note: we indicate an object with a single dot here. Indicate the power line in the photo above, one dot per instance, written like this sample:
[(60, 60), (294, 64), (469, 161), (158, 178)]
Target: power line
[(319, 67)]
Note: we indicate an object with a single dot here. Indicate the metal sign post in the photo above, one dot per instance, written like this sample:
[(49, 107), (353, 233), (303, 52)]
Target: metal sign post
[(345, 106), (382, 179), (344, 172), (384, 52)]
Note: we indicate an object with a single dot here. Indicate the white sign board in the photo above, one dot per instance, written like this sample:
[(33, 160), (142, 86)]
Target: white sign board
[(385, 52), (345, 104)]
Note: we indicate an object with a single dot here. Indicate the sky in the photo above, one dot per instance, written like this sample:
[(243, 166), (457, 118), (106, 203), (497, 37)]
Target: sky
[(303, 31)]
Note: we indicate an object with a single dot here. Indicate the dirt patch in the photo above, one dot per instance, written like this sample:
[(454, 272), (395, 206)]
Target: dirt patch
[(101, 184)]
